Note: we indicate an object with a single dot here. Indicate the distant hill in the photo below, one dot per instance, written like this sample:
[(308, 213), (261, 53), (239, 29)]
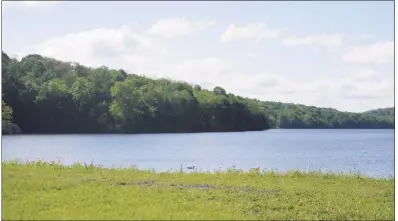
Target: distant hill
[(45, 95), (382, 112), (387, 114), (287, 115)]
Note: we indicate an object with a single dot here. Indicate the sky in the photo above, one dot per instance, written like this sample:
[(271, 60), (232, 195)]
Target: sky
[(329, 54)]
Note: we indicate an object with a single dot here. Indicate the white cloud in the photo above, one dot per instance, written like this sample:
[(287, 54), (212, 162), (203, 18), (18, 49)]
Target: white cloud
[(256, 31), (29, 4), (177, 27), (99, 47), (343, 94), (378, 53), (367, 90), (135, 60), (207, 72), (358, 74), (251, 55), (365, 37), (356, 92), (329, 41)]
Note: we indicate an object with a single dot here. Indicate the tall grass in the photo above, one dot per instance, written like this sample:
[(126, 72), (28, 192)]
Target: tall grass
[(51, 190)]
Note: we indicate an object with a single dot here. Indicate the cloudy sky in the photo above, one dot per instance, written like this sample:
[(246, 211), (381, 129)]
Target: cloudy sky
[(330, 54)]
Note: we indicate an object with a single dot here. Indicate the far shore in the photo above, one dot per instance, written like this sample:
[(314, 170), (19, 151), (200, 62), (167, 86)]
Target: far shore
[(108, 133)]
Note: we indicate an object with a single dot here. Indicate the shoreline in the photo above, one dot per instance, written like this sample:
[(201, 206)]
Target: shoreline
[(182, 169), (214, 132)]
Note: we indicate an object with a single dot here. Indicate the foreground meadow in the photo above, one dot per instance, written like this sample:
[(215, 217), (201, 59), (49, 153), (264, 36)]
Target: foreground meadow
[(39, 191)]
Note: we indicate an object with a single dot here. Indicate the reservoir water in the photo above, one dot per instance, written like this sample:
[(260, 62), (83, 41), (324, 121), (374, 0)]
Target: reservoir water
[(368, 151)]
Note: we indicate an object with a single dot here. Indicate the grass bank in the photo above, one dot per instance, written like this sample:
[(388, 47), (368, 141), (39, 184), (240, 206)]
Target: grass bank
[(39, 190)]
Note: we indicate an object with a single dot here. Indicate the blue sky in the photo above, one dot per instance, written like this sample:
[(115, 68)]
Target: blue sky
[(331, 54)]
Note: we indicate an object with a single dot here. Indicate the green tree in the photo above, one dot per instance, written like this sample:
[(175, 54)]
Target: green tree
[(51, 96), (6, 118)]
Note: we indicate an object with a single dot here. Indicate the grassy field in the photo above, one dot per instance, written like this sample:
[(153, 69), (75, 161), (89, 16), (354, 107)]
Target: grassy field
[(39, 190)]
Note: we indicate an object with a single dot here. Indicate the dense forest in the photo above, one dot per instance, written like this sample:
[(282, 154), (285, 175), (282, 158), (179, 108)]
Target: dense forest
[(382, 112), (44, 95), (284, 115)]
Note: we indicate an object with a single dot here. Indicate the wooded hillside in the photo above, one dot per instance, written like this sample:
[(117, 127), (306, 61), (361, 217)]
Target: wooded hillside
[(44, 95)]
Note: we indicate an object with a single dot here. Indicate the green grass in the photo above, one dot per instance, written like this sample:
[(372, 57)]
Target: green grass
[(39, 190)]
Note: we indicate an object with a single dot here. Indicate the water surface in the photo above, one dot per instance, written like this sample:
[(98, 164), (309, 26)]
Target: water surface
[(368, 151)]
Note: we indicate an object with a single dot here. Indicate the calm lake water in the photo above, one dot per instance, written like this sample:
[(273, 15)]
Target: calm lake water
[(367, 151)]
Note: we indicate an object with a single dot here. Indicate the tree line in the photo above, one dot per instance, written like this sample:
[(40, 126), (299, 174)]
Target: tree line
[(50, 96), (45, 95), (284, 115)]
